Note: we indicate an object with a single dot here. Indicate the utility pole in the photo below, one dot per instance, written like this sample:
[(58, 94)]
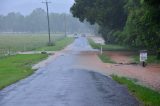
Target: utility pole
[(65, 25), (49, 43)]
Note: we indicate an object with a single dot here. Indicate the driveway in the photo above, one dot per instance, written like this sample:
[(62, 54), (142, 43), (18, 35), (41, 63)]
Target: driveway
[(63, 82)]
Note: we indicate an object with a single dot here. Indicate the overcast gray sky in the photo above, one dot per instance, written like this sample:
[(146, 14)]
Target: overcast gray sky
[(27, 6)]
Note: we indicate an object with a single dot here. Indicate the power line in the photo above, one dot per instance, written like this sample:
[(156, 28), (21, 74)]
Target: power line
[(46, 2)]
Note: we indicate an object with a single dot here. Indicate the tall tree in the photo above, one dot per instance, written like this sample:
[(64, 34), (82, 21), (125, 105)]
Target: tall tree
[(108, 14)]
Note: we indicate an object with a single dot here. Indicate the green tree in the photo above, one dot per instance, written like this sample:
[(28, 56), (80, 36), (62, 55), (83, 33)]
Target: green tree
[(108, 14)]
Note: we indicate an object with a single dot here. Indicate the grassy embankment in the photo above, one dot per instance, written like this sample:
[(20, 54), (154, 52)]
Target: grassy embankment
[(14, 68), (105, 58), (151, 59), (146, 95), (59, 45), (109, 47)]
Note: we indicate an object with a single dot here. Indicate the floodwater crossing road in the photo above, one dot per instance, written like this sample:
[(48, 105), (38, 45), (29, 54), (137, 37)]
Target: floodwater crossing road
[(61, 83)]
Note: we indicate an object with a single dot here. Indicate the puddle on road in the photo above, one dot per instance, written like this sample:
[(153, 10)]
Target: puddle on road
[(90, 61)]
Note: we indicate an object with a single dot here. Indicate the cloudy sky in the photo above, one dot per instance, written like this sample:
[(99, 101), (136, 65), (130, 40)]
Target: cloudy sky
[(26, 6)]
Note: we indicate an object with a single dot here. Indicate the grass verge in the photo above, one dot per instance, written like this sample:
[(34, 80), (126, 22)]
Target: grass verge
[(59, 45), (147, 96), (151, 59), (108, 47), (105, 58), (15, 68)]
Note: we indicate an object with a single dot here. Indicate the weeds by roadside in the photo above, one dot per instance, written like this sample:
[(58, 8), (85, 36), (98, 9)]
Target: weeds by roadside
[(151, 59), (147, 96), (107, 47), (105, 58)]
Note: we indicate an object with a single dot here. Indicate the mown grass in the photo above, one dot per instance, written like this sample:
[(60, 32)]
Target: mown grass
[(14, 68), (26, 42), (59, 45), (147, 96), (105, 58), (150, 59), (107, 47)]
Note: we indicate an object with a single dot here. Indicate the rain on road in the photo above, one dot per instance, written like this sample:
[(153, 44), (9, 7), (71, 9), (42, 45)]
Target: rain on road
[(61, 84)]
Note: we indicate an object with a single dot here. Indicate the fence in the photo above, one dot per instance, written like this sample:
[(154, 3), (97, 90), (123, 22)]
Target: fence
[(6, 52)]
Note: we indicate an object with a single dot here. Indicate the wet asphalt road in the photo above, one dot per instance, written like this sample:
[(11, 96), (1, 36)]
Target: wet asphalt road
[(61, 84)]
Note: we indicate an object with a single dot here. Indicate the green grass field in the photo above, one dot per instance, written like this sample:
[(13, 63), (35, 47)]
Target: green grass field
[(25, 42), (14, 68), (59, 45), (147, 96)]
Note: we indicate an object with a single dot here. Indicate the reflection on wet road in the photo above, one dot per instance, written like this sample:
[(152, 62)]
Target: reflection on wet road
[(61, 84)]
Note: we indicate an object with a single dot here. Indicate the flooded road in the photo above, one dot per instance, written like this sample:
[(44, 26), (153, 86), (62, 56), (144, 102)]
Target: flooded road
[(63, 82)]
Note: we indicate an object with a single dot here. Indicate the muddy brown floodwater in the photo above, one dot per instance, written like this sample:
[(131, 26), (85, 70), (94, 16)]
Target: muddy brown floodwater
[(147, 76)]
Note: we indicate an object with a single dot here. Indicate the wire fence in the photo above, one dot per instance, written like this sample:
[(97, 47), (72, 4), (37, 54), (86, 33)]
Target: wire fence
[(7, 52)]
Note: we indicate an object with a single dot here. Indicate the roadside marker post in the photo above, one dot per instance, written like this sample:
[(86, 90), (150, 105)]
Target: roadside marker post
[(101, 49), (143, 57), (101, 43)]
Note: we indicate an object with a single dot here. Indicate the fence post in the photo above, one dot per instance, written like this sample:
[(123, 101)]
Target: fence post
[(9, 50)]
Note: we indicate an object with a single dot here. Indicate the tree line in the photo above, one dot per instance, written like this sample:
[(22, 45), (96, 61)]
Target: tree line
[(135, 23), (37, 22)]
